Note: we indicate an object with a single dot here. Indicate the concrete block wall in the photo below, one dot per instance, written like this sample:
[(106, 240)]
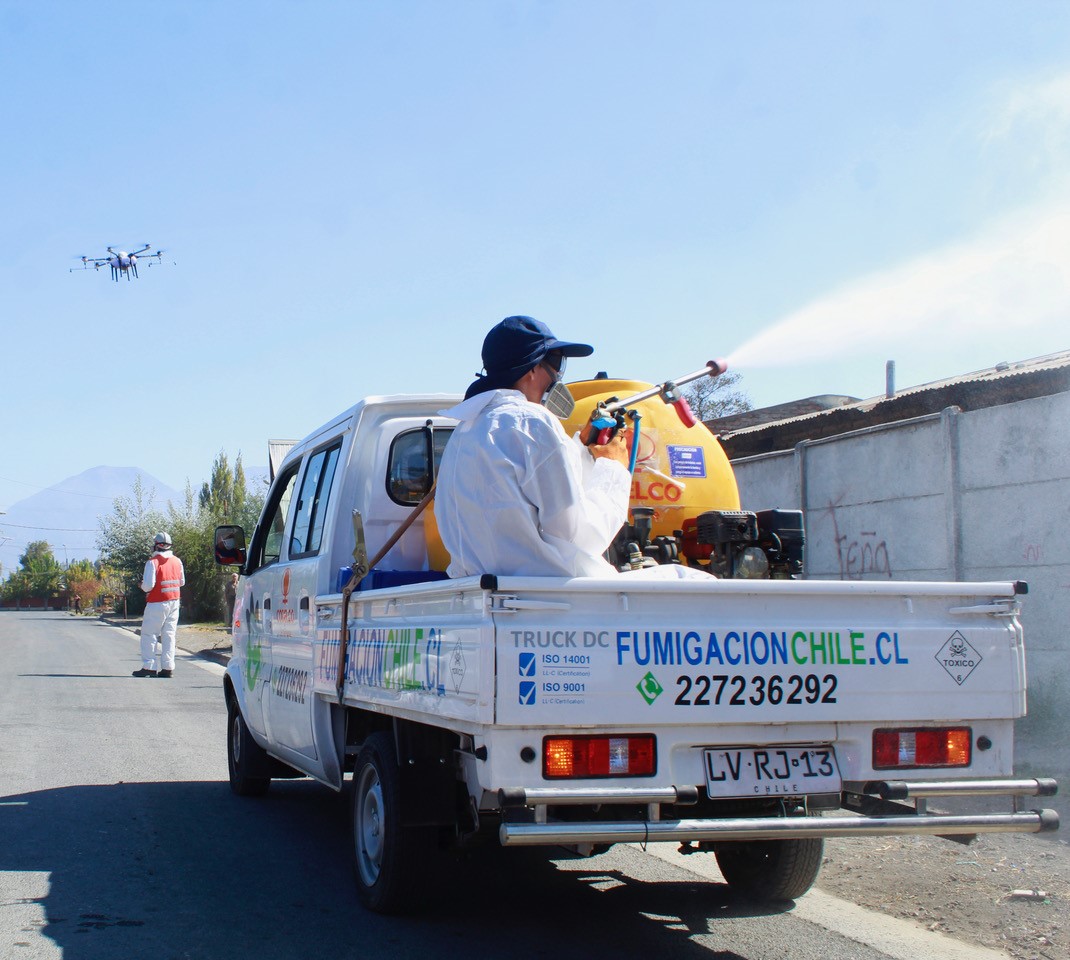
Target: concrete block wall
[(977, 495)]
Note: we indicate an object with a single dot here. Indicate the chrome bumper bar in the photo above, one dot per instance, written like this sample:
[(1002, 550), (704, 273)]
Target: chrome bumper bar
[(886, 823), (914, 789), (772, 828)]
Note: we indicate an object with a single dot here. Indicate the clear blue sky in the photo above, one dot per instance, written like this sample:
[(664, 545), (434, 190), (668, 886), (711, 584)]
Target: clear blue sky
[(350, 194)]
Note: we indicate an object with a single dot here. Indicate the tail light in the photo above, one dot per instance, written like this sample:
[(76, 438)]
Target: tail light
[(584, 757), (918, 747)]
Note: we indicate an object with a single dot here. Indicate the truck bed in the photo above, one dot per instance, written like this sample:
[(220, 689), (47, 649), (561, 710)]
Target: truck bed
[(723, 662)]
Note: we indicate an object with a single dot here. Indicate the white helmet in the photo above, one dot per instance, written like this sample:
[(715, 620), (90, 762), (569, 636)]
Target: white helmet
[(162, 541)]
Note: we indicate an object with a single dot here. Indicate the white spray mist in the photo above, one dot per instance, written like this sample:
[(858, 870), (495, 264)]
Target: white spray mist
[(1015, 276)]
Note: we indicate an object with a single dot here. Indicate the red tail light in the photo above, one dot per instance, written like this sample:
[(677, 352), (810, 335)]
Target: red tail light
[(921, 747), (580, 758)]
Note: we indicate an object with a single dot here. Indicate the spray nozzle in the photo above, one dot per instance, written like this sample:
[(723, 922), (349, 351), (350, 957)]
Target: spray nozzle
[(604, 425), (669, 391)]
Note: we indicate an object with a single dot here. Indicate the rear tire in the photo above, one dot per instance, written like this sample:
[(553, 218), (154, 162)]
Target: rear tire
[(385, 850), (246, 759), (772, 869)]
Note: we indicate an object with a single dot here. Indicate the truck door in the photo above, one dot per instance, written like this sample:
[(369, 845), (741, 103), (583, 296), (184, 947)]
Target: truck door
[(263, 585), (292, 613)]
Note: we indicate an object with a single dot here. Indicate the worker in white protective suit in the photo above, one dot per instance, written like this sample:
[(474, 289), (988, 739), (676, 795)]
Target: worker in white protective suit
[(162, 581), (515, 495)]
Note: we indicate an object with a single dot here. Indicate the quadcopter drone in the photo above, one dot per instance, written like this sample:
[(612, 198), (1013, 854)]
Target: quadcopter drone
[(120, 261)]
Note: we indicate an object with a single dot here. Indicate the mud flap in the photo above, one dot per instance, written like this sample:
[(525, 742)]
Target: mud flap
[(428, 774)]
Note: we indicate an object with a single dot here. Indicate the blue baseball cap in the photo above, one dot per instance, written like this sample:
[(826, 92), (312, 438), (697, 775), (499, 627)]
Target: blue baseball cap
[(513, 347)]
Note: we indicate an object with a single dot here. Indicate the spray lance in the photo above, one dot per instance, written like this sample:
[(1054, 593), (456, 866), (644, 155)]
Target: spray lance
[(609, 416)]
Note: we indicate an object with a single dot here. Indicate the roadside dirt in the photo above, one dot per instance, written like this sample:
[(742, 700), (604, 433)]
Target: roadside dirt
[(1009, 891), (210, 640), (1005, 891)]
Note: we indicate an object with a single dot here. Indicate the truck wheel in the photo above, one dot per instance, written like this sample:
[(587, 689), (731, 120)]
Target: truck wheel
[(245, 757), (384, 849), (772, 869)]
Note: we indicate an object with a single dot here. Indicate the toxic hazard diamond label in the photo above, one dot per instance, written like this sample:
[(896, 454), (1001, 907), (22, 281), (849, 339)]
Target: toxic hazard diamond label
[(458, 667), (958, 657)]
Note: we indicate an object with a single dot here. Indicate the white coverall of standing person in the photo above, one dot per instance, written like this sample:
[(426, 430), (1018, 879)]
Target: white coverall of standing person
[(162, 582)]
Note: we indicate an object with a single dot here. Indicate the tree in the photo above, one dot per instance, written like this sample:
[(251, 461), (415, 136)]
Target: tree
[(714, 397), (43, 569), (248, 512), (217, 496), (192, 533), (83, 580), (112, 583), (39, 574), (223, 499), (226, 496), (125, 542)]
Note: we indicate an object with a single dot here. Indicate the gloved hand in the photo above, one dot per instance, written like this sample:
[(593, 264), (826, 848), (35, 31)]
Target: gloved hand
[(615, 449), (597, 422)]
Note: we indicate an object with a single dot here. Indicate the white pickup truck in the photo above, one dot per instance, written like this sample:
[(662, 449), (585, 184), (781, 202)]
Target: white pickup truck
[(749, 715)]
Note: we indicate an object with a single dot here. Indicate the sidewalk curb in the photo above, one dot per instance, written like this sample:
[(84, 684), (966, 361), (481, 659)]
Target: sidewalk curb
[(219, 655)]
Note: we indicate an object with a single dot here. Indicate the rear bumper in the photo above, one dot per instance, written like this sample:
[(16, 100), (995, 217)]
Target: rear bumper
[(892, 819), (773, 828)]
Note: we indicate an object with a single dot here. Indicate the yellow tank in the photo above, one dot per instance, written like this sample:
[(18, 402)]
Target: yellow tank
[(438, 557), (680, 472)]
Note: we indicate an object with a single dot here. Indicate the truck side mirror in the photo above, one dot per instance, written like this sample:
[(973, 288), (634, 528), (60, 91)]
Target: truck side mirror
[(230, 545)]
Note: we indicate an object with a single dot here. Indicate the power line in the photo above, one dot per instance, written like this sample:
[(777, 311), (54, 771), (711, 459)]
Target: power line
[(23, 526), (70, 493), (67, 546)]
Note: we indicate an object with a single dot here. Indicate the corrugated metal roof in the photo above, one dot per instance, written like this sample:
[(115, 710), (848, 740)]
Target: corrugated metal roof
[(1003, 383), (1000, 372), (1053, 361)]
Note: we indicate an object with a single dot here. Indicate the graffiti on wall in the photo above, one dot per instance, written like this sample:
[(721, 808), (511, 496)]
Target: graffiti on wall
[(860, 556)]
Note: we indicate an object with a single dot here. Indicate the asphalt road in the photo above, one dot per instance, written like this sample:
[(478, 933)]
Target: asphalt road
[(120, 839)]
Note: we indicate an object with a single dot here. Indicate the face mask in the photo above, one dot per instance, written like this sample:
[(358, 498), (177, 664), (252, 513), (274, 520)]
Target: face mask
[(559, 401)]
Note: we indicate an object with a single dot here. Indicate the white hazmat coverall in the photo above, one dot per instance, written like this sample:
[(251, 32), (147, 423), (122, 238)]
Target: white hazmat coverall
[(159, 621), (516, 496)]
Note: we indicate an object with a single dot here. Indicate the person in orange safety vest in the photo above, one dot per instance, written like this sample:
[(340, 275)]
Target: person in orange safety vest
[(162, 582)]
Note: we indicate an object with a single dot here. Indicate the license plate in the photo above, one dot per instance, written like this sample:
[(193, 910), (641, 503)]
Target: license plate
[(771, 771)]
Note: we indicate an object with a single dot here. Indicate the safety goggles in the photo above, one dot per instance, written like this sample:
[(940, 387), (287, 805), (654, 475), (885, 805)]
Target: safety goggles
[(555, 362)]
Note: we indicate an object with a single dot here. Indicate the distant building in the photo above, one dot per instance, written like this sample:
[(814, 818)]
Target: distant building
[(782, 426)]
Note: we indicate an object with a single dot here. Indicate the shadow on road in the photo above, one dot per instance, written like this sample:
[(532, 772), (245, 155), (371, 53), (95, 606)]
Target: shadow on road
[(189, 870)]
